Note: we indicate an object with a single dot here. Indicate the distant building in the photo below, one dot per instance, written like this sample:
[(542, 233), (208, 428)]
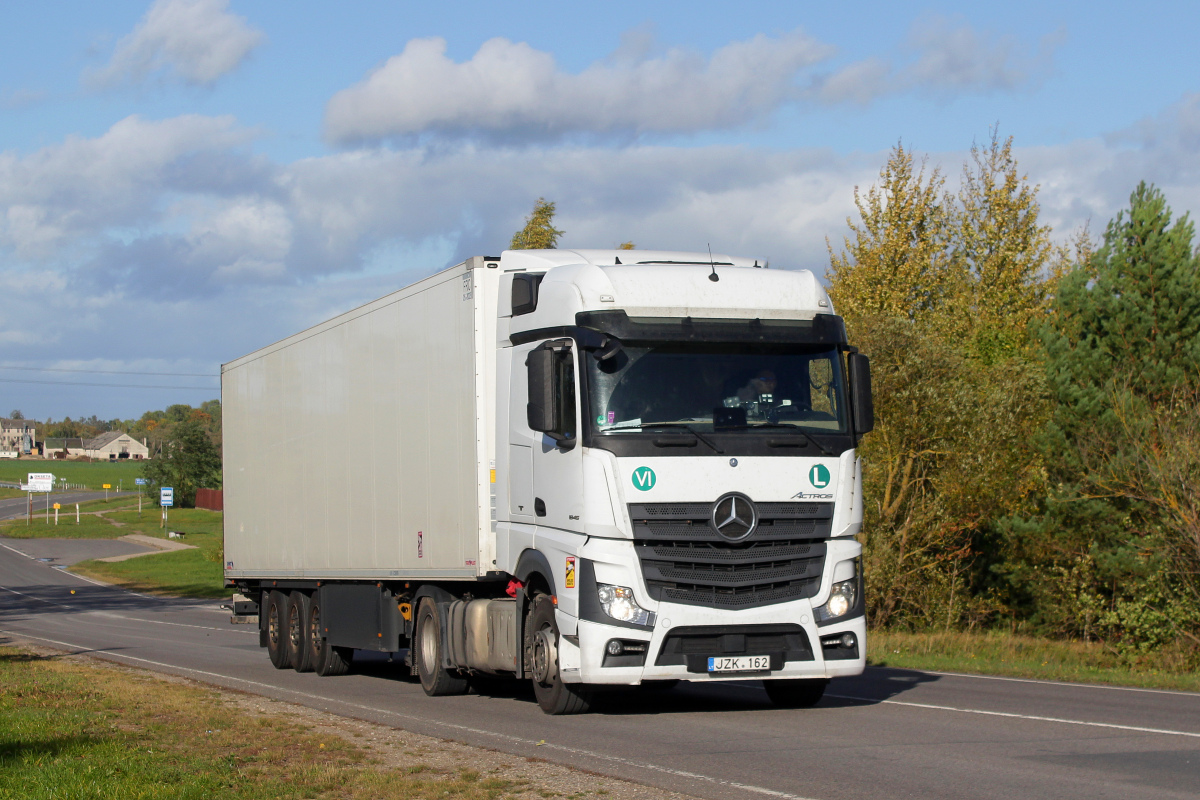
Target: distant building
[(111, 446), (16, 436), (115, 445)]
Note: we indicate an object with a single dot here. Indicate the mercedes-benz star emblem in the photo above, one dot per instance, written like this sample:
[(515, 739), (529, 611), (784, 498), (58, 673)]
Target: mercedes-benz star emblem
[(734, 516)]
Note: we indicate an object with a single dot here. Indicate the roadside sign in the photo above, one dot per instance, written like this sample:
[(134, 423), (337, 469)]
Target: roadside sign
[(140, 481), (166, 496), (57, 506), (39, 482), (106, 486)]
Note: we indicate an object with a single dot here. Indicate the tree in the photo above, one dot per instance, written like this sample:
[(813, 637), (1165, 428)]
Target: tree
[(539, 232), (16, 414), (189, 461), (895, 262), (1113, 551), (627, 246), (999, 249)]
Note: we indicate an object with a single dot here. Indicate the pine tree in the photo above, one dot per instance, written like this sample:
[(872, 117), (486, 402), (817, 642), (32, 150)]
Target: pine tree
[(539, 232)]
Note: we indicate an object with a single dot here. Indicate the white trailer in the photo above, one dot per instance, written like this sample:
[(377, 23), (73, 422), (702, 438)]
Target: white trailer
[(584, 468)]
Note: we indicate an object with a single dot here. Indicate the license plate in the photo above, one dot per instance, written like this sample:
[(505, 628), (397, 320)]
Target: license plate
[(739, 664)]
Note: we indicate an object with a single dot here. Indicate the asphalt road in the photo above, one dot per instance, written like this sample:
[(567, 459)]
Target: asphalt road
[(888, 734)]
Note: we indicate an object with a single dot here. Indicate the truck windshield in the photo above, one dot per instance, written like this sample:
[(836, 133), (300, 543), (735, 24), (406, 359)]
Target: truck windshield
[(716, 387)]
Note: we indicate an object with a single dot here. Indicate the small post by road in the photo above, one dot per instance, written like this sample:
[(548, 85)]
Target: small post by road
[(77, 513), (29, 516), (166, 499), (140, 483), (57, 506), (107, 486)]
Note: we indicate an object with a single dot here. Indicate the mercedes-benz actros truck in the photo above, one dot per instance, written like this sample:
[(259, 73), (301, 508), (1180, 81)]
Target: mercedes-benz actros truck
[(588, 469)]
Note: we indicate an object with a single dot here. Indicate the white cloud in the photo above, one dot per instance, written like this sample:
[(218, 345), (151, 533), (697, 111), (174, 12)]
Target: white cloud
[(510, 88), (943, 59), (65, 193), (195, 40)]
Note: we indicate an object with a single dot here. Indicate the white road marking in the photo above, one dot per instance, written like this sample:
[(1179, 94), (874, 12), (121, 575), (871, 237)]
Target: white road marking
[(480, 731), (164, 622), (1068, 684), (38, 599), (1033, 717)]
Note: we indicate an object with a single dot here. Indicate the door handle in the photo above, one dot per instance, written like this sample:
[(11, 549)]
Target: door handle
[(539, 506)]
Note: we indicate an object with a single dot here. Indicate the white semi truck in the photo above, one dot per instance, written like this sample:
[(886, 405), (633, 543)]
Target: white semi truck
[(584, 468)]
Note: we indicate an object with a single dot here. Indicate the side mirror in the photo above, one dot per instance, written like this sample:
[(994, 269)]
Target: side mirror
[(551, 408), (861, 405), (541, 408)]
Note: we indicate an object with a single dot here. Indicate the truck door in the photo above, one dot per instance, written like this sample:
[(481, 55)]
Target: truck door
[(551, 407)]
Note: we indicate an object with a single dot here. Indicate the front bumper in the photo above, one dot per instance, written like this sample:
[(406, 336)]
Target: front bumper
[(684, 637)]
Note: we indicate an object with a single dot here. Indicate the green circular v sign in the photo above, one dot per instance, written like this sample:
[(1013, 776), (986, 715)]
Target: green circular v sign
[(818, 476), (643, 479)]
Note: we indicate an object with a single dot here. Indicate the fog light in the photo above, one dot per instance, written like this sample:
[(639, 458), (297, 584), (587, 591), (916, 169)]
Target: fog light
[(847, 640), (615, 648)]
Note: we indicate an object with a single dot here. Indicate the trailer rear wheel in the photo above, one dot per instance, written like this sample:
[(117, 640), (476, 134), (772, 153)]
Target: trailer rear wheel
[(327, 660), (297, 632), (427, 647), (541, 649), (276, 611), (796, 692)]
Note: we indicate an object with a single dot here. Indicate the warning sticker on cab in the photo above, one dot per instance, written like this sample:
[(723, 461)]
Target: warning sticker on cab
[(570, 572)]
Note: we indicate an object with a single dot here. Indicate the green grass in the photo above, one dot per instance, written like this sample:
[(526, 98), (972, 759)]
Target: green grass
[(92, 475), (996, 653), (179, 573), (69, 729), (6, 493), (90, 526)]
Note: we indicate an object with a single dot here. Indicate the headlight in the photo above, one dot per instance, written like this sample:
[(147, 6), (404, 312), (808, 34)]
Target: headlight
[(618, 603), (841, 600)]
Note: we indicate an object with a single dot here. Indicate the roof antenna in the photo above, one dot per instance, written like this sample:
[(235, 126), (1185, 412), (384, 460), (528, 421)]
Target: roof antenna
[(714, 277)]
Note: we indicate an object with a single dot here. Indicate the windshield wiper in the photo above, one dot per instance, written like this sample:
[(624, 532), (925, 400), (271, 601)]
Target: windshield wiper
[(644, 425), (796, 428)]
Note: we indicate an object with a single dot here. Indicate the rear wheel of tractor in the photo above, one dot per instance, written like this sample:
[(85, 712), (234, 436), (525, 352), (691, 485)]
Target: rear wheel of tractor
[(326, 659), (276, 612), (796, 692), (297, 632), (541, 650), (427, 647)]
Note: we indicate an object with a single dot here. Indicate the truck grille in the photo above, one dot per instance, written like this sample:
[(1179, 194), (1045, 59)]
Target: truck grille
[(684, 560)]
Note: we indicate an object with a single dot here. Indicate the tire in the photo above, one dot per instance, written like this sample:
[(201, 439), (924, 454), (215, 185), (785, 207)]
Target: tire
[(796, 692), (277, 603), (327, 660), (298, 648), (427, 647), (541, 652)]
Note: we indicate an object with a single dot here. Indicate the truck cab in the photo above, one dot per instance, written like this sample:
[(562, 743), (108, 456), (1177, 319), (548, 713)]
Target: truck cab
[(676, 470)]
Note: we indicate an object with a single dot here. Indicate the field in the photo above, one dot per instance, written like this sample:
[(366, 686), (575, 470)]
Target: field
[(77, 473)]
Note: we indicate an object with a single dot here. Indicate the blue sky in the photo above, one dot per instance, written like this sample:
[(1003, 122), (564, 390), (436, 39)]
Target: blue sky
[(183, 181)]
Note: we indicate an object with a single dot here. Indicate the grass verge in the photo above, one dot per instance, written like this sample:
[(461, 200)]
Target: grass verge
[(179, 573), (71, 729), (996, 653), (80, 473)]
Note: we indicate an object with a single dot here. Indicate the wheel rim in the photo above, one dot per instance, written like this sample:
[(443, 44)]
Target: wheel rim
[(273, 625), (294, 630), (428, 646), (545, 656), (314, 627)]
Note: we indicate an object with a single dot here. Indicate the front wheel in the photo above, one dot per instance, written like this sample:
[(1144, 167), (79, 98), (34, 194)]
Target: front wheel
[(796, 692), (427, 648), (541, 650)]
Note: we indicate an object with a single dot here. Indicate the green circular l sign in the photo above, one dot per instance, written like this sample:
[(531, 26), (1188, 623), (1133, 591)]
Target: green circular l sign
[(818, 476), (643, 479)]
